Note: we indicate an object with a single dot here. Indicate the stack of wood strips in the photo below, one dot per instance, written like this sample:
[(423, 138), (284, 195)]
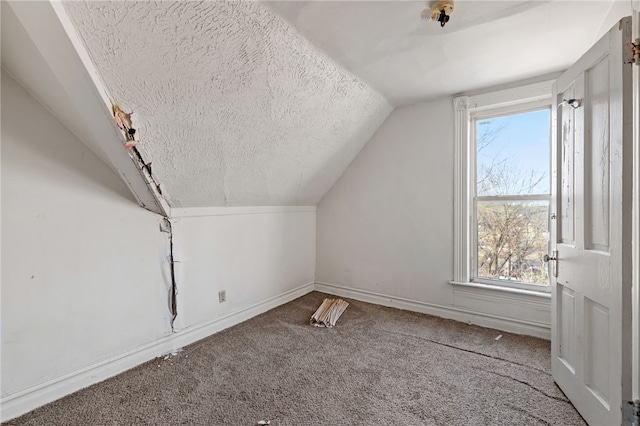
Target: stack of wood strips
[(328, 313)]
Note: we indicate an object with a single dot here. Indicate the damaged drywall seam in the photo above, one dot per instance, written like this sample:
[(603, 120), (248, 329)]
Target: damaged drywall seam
[(173, 303), (145, 169), (173, 290), (124, 123)]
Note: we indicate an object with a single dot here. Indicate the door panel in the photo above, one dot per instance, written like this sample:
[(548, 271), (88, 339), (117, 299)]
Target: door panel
[(596, 372), (567, 331), (590, 319), (566, 116), (596, 141)]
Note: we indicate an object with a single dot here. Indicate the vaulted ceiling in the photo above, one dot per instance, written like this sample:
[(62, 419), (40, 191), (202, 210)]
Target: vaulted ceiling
[(267, 103), (232, 105)]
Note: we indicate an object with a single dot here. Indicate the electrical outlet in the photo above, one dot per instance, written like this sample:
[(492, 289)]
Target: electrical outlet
[(222, 296)]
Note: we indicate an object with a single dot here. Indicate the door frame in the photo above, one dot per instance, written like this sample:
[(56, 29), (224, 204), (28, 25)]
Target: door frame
[(636, 211)]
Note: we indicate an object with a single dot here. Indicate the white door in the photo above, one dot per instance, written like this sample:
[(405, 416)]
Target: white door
[(591, 233)]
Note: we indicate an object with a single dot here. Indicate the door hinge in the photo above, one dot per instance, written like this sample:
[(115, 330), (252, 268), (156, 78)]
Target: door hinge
[(633, 53), (631, 412)]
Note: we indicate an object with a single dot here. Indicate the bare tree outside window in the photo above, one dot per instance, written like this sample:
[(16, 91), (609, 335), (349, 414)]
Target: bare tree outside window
[(512, 203)]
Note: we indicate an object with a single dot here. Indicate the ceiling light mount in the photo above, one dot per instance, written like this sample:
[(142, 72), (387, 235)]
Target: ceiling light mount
[(439, 11)]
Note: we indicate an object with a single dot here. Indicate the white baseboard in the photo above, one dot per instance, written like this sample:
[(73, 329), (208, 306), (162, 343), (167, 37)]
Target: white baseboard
[(531, 328), (33, 397)]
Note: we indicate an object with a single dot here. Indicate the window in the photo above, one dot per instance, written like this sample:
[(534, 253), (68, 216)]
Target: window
[(503, 187), (512, 194)]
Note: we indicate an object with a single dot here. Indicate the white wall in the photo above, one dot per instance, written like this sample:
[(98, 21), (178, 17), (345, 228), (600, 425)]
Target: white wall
[(387, 224), (253, 254), (85, 270), (385, 230), (82, 263)]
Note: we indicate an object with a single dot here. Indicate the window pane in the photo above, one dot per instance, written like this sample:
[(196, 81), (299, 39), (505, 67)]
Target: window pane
[(513, 154), (512, 240)]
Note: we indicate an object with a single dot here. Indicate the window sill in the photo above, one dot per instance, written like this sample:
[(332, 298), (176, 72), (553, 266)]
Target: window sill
[(541, 294)]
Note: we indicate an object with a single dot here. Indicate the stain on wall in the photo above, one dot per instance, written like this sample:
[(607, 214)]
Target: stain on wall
[(233, 106)]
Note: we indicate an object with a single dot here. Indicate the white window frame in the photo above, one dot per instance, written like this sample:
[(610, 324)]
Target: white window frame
[(467, 109)]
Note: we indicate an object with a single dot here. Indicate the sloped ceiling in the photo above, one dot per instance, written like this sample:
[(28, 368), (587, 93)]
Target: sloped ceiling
[(232, 105), (485, 43), (266, 103)]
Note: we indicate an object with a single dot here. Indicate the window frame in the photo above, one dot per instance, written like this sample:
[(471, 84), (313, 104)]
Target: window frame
[(469, 109)]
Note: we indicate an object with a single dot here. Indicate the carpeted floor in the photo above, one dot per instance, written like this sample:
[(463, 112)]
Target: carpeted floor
[(378, 366)]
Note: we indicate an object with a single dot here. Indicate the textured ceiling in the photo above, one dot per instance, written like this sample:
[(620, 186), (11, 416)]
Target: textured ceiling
[(485, 43), (232, 105)]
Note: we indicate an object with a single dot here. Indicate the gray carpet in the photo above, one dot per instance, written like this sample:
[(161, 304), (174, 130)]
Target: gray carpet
[(378, 366)]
